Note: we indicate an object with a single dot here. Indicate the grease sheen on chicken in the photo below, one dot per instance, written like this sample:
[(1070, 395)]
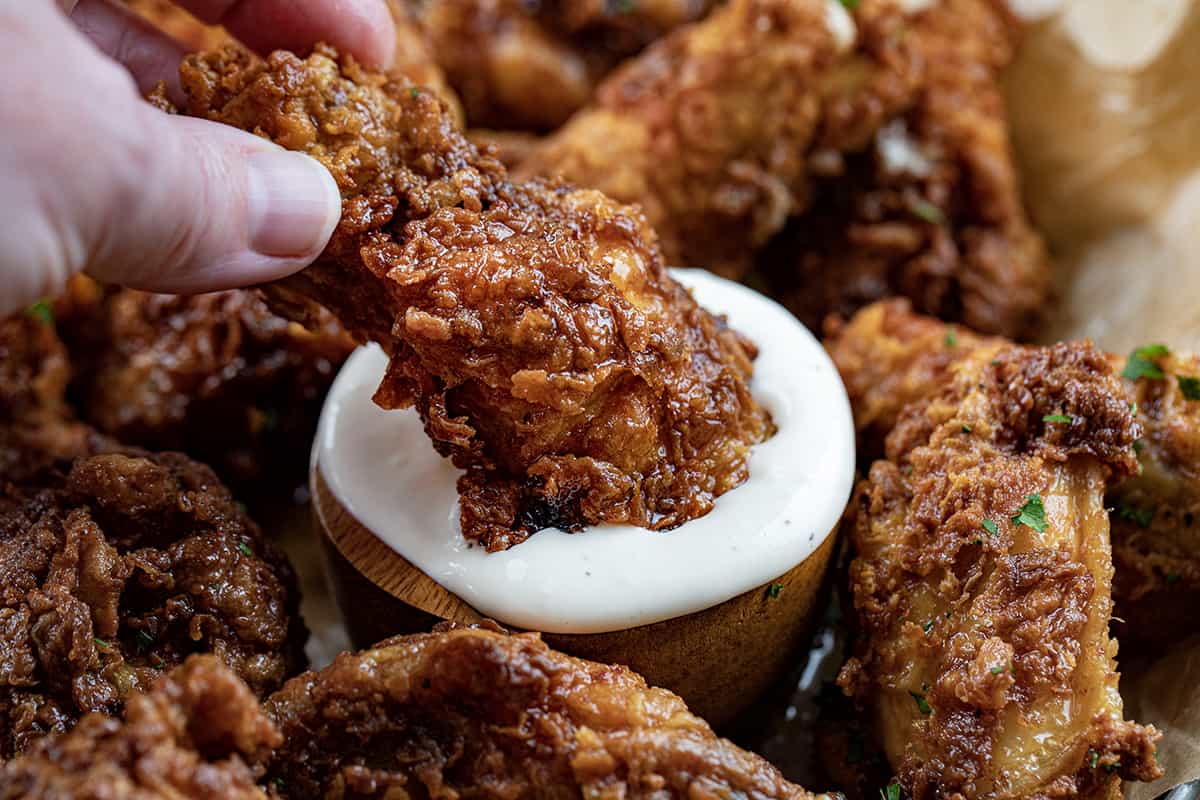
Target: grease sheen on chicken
[(474, 713), (533, 326)]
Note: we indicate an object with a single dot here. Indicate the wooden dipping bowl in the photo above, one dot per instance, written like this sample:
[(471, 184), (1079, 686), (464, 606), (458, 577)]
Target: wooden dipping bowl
[(719, 660)]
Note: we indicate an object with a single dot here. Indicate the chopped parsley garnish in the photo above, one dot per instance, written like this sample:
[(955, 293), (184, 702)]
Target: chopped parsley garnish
[(997, 670), (1032, 514), (101, 642), (144, 640), (927, 211), (1173, 577), (922, 704), (1133, 409), (951, 337), (414, 91), (891, 792), (1093, 758), (1189, 386), (1113, 766), (991, 527), (966, 428), (774, 589), (1139, 446), (850, 4), (41, 311), (245, 548), (1058, 418), (977, 540), (1142, 516), (928, 626), (1141, 363)]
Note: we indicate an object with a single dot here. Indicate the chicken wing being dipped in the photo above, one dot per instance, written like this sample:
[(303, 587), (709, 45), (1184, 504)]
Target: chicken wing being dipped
[(194, 733), (473, 712), (982, 582), (891, 357), (533, 326)]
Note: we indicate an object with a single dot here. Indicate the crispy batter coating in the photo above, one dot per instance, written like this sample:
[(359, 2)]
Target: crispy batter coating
[(530, 65), (931, 208), (415, 60), (533, 326), (707, 129), (476, 713), (889, 357), (193, 734), (982, 582), (218, 376), (118, 565)]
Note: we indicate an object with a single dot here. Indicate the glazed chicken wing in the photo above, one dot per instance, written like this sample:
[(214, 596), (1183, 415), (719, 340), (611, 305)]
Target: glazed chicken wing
[(193, 734), (533, 326), (982, 582), (890, 357), (474, 713)]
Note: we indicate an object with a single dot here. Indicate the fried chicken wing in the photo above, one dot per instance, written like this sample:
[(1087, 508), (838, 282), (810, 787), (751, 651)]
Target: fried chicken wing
[(931, 208), (530, 65), (982, 582), (218, 376), (477, 713), (890, 357), (118, 565), (533, 326), (193, 734)]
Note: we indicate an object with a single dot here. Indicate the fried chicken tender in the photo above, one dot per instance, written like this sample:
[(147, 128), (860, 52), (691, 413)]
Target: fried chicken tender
[(193, 734), (218, 376), (931, 209), (982, 582), (890, 357), (533, 326), (118, 565), (530, 65), (473, 712)]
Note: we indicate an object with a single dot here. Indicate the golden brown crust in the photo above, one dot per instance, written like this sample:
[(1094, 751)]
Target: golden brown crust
[(982, 581), (474, 713), (928, 206), (192, 734), (533, 326), (218, 376)]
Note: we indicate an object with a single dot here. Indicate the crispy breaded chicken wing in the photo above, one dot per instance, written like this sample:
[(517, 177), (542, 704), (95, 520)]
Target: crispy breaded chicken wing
[(192, 734), (218, 376), (982, 582), (529, 65), (890, 357), (533, 326), (931, 208), (476, 713)]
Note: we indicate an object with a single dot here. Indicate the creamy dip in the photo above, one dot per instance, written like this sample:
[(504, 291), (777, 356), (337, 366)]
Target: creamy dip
[(384, 470)]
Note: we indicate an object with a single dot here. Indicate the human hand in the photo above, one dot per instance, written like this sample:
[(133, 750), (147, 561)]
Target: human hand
[(96, 180)]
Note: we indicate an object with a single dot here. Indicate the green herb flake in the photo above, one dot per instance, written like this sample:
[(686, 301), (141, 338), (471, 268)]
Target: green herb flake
[(927, 211), (997, 670), (1142, 516), (1173, 577), (1032, 514), (928, 626), (1133, 409), (851, 5), (951, 337), (1113, 766), (890, 792), (991, 527), (414, 91), (623, 6), (1189, 386), (1139, 446), (1093, 759), (41, 311), (245, 549), (966, 428), (774, 589), (101, 642), (977, 541), (144, 640), (922, 704), (1058, 418), (1141, 363)]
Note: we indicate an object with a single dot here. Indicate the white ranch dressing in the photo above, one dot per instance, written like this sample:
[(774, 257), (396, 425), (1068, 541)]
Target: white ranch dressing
[(381, 466)]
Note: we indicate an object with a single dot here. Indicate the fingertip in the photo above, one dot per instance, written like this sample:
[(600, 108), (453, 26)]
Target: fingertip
[(293, 205)]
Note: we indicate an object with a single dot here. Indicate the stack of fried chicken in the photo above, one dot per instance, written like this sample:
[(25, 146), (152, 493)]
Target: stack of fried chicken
[(513, 192)]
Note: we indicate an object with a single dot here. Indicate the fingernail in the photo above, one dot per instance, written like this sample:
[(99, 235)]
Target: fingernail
[(294, 204)]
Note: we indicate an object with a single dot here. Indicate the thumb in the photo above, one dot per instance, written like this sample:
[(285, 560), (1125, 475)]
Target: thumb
[(204, 206)]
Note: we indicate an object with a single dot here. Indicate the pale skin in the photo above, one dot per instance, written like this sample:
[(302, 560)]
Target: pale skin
[(96, 180)]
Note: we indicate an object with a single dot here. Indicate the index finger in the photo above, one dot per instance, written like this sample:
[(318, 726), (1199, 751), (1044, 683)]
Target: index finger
[(363, 28)]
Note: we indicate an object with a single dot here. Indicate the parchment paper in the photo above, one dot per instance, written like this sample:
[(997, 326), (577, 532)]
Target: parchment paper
[(1105, 106)]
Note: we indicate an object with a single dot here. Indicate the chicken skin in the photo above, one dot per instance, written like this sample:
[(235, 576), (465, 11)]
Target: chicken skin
[(533, 326), (194, 733), (890, 357), (475, 713), (529, 65), (981, 582), (217, 376)]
